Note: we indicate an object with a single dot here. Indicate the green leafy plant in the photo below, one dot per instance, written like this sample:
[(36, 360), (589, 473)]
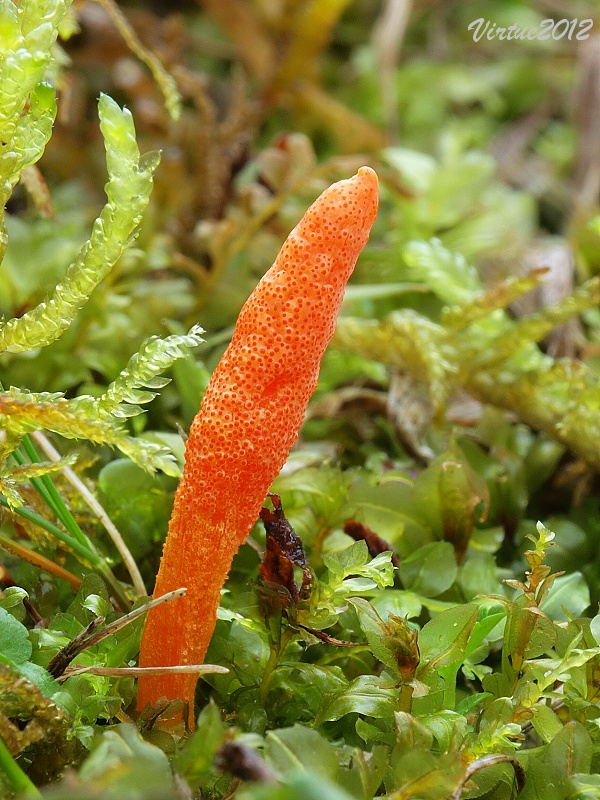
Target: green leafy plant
[(474, 345), (428, 638), (28, 111)]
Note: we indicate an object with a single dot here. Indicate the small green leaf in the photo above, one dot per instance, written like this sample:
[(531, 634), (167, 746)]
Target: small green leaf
[(529, 633), (288, 750), (365, 695), (124, 765), (16, 650), (40, 677), (444, 639), (320, 678), (568, 592), (371, 732), (413, 734), (468, 704), (430, 570), (97, 605), (595, 628), (487, 620), (448, 727), (420, 775), (352, 571), (479, 574), (584, 787), (400, 603), (93, 586), (347, 562), (546, 723), (15, 647), (568, 753), (12, 598), (195, 759)]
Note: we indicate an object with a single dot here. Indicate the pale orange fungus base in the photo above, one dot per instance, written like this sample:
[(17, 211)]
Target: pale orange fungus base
[(249, 419)]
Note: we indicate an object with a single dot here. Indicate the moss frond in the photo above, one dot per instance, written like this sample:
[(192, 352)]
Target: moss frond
[(405, 340), (9, 490), (143, 370), (449, 275), (30, 136), (535, 327), (482, 303), (11, 475), (27, 105), (127, 191), (99, 419), (21, 413), (27, 33), (496, 359), (164, 80)]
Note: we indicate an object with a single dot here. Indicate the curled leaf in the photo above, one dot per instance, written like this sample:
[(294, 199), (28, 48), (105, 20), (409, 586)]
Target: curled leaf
[(283, 552)]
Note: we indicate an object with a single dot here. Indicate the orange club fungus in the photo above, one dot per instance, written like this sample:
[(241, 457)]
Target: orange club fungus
[(249, 419)]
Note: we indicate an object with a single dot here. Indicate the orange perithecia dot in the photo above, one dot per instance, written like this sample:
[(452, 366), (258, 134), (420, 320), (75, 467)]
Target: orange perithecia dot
[(250, 417)]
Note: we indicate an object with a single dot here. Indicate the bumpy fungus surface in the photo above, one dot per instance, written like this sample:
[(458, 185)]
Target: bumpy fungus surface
[(249, 419)]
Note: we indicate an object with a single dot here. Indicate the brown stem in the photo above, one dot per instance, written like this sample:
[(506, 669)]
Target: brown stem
[(39, 561)]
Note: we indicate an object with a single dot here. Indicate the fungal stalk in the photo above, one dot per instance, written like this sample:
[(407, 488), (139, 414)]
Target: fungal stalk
[(250, 417)]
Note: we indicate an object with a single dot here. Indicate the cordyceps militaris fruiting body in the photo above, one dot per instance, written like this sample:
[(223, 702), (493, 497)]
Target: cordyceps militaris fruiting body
[(250, 417)]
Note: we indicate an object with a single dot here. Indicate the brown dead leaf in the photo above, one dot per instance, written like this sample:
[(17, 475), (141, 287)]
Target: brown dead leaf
[(283, 552)]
